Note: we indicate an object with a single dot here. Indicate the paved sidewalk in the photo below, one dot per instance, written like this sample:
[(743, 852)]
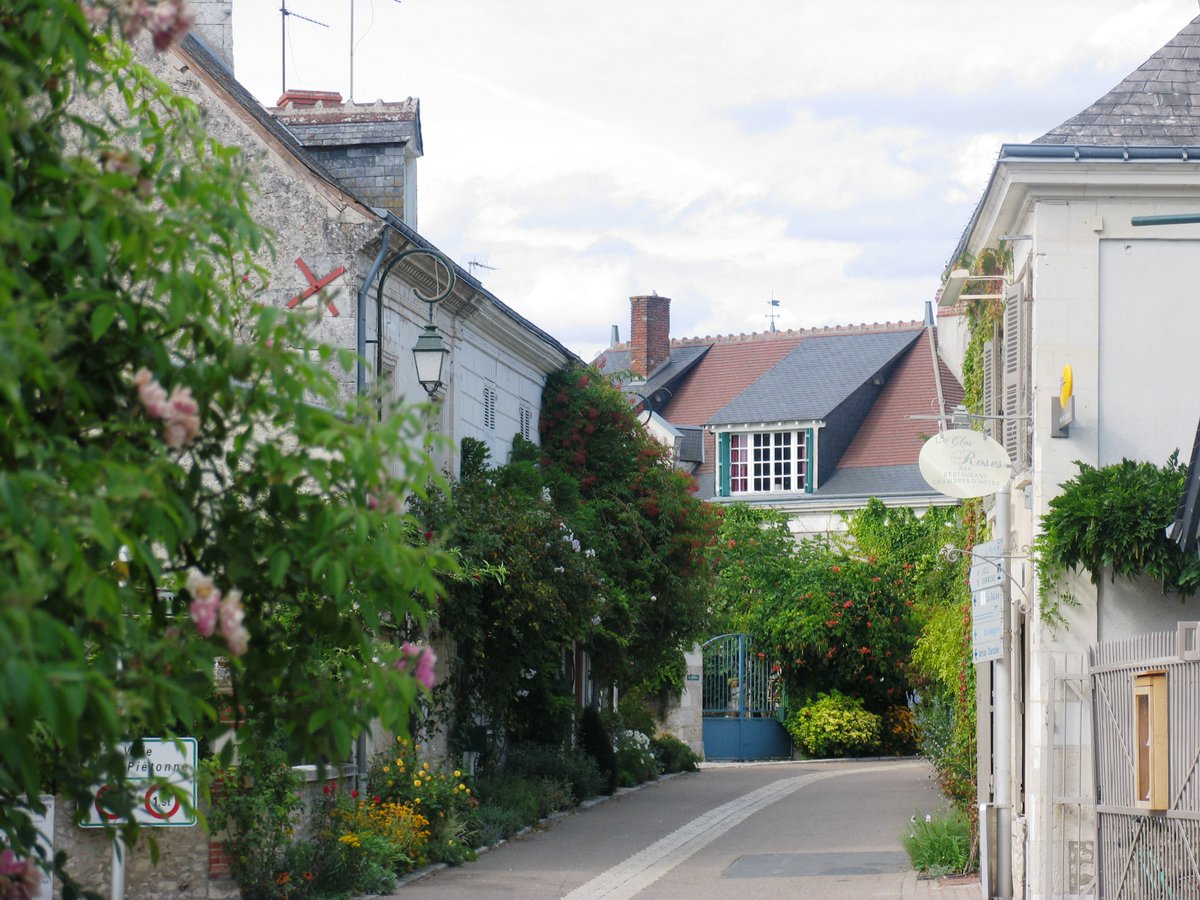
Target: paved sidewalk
[(952, 887)]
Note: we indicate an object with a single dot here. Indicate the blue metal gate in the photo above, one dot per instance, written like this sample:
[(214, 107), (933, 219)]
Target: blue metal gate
[(741, 702)]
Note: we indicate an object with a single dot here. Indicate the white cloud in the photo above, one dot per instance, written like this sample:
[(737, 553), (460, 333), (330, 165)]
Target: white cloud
[(717, 153)]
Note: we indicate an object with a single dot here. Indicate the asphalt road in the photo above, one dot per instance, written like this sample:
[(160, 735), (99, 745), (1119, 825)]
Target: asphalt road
[(819, 830)]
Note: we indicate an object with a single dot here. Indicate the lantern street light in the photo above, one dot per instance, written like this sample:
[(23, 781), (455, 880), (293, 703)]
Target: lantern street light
[(430, 356), (430, 352)]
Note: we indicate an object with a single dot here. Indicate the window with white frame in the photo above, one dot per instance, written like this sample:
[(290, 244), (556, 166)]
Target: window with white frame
[(762, 462)]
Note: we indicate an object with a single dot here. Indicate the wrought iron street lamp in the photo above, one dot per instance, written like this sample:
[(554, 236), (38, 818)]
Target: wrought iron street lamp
[(430, 354), (430, 351)]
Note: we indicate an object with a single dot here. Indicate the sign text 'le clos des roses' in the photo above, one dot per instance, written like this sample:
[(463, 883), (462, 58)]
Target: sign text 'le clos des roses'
[(964, 463)]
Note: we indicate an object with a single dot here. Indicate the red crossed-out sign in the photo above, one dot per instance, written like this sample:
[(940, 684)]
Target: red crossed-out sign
[(315, 284)]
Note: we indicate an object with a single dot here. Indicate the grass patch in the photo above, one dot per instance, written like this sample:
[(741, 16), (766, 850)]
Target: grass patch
[(940, 843)]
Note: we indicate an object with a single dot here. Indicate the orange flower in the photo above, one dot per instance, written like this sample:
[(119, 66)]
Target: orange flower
[(283, 878)]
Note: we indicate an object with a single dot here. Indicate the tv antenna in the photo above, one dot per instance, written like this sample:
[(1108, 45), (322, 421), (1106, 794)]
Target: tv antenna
[(772, 315), (284, 12), (475, 264)]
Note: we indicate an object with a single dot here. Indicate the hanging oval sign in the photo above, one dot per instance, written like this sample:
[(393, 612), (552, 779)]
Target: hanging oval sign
[(963, 463)]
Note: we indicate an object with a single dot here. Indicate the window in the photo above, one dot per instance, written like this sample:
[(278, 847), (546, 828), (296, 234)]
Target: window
[(764, 462), (525, 417), (489, 407)]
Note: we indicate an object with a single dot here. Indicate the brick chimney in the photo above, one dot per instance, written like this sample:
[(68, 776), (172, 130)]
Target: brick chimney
[(371, 148), (650, 333)]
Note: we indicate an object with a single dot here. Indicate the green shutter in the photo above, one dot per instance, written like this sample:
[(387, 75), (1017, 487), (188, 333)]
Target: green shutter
[(809, 462), (723, 464)]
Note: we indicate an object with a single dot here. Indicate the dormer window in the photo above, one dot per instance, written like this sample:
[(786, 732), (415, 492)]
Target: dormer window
[(764, 462)]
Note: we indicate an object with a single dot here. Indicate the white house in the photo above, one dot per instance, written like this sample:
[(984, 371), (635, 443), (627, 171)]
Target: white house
[(1119, 305)]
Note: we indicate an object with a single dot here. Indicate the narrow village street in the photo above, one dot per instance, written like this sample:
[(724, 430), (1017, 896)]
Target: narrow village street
[(819, 830)]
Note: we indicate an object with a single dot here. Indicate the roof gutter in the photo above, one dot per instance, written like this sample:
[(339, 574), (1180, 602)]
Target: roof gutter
[(1069, 153), (1087, 152)]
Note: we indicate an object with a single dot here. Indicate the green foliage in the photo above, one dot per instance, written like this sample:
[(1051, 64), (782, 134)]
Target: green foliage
[(636, 760), (530, 589), (257, 802), (511, 802), (572, 768), (127, 243), (835, 725), (593, 541), (755, 565), (851, 629), (441, 793), (674, 755), (1114, 518), (652, 537), (596, 742), (939, 844)]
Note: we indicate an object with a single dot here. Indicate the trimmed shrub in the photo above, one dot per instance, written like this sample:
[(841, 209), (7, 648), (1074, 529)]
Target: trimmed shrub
[(835, 725), (573, 768), (674, 755)]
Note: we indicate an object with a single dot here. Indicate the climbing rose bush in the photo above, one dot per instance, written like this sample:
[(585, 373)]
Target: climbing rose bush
[(183, 489)]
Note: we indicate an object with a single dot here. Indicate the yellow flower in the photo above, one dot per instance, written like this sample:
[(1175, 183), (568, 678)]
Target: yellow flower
[(416, 782), (457, 774), (424, 765), (387, 768), (462, 787), (351, 839)]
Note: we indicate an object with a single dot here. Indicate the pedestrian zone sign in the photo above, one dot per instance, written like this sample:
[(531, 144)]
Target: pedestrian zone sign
[(163, 761)]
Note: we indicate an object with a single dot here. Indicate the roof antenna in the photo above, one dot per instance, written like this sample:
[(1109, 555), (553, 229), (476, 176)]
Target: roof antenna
[(476, 263), (284, 12), (772, 315)]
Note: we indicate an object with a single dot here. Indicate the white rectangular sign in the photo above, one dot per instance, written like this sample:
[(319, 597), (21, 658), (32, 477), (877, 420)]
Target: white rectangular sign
[(987, 624), (986, 571), (170, 760), (988, 652)]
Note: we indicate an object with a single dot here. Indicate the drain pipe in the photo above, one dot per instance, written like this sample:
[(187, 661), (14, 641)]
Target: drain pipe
[(360, 746), (361, 383), (1002, 737)]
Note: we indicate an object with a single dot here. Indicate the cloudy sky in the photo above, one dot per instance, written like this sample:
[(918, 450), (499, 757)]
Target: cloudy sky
[(825, 154)]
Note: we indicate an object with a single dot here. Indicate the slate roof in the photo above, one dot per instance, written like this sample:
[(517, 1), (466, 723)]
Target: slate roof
[(680, 360), (1157, 105), (815, 378), (347, 124), (888, 437), (869, 447), (874, 481)]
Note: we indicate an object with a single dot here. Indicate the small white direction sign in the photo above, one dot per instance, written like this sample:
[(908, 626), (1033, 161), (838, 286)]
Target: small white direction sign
[(988, 652), (171, 761), (987, 570), (987, 624)]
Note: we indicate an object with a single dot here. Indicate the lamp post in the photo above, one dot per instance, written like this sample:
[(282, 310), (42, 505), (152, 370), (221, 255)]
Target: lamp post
[(430, 352)]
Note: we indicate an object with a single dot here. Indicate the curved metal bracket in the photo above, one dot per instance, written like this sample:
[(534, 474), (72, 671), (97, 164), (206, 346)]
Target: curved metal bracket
[(417, 251)]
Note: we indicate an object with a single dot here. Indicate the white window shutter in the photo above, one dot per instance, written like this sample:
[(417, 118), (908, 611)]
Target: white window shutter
[(991, 396), (1016, 376)]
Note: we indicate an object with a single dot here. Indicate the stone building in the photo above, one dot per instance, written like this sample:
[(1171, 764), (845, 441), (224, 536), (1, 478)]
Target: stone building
[(335, 184)]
